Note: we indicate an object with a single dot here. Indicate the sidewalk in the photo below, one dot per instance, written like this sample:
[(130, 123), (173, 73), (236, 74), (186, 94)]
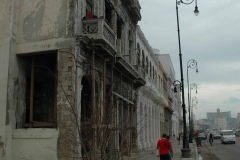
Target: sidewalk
[(150, 154)]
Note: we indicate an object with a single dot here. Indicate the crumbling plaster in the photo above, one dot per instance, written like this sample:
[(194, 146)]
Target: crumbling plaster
[(42, 20), (5, 39), (28, 27)]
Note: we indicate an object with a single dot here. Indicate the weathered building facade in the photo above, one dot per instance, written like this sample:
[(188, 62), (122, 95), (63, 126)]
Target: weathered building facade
[(152, 97), (76, 81), (67, 66), (171, 111)]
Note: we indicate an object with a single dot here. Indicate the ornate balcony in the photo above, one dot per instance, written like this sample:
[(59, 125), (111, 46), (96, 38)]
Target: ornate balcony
[(163, 97), (123, 63), (134, 8), (170, 105), (140, 81), (102, 36)]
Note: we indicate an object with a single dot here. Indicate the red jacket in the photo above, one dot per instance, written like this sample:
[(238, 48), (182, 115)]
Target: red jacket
[(163, 146)]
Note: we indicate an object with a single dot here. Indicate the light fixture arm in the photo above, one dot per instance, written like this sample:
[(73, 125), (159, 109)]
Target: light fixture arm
[(192, 64), (196, 12), (175, 83), (187, 3), (193, 86)]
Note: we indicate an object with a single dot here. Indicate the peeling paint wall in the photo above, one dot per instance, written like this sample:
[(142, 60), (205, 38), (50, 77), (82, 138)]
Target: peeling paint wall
[(42, 20), (5, 49), (28, 27)]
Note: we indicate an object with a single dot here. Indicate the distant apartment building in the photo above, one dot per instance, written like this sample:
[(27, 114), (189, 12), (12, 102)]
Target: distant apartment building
[(238, 120), (220, 123), (220, 120), (218, 114)]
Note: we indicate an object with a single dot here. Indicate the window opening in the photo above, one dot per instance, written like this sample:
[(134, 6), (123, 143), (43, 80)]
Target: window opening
[(153, 73), (143, 59), (119, 29), (150, 69), (138, 54), (89, 7), (108, 13), (146, 65), (41, 91)]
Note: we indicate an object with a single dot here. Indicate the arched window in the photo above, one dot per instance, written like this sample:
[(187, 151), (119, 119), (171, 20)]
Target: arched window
[(153, 73), (150, 72), (138, 54), (146, 65), (129, 45), (143, 59)]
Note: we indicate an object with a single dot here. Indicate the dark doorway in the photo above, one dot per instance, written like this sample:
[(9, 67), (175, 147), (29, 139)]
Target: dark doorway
[(86, 112)]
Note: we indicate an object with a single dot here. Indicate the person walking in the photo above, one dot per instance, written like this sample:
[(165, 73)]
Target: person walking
[(210, 137), (163, 147), (179, 138)]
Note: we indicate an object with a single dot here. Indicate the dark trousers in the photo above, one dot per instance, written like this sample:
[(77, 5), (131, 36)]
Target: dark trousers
[(164, 157)]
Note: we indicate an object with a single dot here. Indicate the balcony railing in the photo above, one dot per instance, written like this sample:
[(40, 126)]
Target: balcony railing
[(163, 97), (99, 29), (141, 72)]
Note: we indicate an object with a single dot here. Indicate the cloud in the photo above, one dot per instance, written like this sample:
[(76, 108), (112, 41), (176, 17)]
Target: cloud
[(232, 100), (212, 39)]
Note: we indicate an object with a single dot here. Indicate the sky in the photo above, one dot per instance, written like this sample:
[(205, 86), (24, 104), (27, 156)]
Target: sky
[(212, 39)]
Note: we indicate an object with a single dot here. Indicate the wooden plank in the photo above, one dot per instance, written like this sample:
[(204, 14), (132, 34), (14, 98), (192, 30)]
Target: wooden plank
[(55, 93), (39, 124), (31, 92)]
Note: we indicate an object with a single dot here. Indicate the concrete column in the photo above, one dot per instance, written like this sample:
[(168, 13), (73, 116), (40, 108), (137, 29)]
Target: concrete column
[(4, 108), (145, 127), (152, 127), (149, 126), (156, 127), (158, 124), (141, 125), (114, 21)]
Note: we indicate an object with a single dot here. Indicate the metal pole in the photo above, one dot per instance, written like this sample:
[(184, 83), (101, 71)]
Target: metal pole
[(192, 120), (190, 134), (190, 64), (190, 137), (185, 142)]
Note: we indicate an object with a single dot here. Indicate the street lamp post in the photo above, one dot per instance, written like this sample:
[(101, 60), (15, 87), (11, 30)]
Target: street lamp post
[(185, 142), (192, 124), (190, 64), (193, 86)]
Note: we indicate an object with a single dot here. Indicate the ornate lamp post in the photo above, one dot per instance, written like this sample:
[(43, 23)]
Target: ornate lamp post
[(185, 142), (192, 124), (190, 64), (193, 86)]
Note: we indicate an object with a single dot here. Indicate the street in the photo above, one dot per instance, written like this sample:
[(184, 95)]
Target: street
[(219, 151)]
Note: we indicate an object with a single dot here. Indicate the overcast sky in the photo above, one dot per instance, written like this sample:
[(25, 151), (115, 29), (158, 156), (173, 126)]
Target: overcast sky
[(212, 39)]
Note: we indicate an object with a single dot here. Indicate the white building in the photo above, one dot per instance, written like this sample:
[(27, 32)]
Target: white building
[(220, 123), (172, 111), (152, 98)]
